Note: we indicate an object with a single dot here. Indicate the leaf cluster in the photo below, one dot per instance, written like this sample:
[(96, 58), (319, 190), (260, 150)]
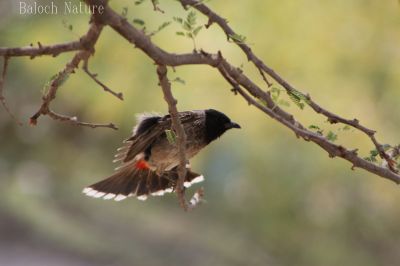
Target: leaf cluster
[(190, 29), (298, 98)]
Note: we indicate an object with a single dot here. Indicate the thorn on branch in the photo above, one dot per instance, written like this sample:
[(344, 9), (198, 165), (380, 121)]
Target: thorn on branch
[(202, 52), (354, 152), (219, 53), (209, 23)]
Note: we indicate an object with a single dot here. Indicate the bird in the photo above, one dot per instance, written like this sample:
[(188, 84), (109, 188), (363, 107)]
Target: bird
[(150, 157)]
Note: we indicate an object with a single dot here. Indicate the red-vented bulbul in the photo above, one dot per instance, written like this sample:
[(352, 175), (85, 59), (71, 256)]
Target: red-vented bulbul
[(150, 159)]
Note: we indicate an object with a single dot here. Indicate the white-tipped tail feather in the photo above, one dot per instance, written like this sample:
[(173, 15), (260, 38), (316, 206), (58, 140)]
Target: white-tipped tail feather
[(195, 180), (120, 197), (143, 197), (109, 196), (195, 199), (88, 191)]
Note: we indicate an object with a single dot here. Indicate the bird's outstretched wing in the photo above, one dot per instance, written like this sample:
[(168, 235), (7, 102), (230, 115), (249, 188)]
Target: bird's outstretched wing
[(148, 129)]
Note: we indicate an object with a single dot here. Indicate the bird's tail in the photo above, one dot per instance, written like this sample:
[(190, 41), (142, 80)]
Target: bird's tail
[(132, 181)]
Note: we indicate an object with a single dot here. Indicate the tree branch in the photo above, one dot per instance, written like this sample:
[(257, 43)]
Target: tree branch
[(89, 39), (31, 51), (240, 82), (178, 129), (262, 67)]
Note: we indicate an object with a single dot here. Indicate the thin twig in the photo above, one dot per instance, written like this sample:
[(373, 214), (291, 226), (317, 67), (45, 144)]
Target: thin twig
[(85, 68), (269, 84), (74, 120), (179, 130), (2, 98)]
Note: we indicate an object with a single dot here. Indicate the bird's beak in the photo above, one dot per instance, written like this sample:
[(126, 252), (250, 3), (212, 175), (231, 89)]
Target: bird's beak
[(232, 125)]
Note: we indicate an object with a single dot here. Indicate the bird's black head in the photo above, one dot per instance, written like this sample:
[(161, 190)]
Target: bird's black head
[(216, 124)]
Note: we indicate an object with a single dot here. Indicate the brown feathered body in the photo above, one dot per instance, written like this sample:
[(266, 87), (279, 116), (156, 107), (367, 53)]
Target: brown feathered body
[(149, 158), (150, 142)]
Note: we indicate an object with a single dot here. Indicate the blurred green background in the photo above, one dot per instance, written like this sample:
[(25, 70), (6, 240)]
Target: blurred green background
[(272, 199)]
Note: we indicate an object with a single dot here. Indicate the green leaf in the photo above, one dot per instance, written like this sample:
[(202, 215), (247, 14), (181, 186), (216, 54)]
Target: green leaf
[(171, 137), (296, 100), (191, 19), (331, 136), (189, 26), (160, 28), (186, 26), (370, 159), (346, 127), (299, 95), (237, 38), (317, 129), (197, 30), (178, 19), (138, 2), (275, 93), (163, 26), (138, 21), (66, 25), (314, 127), (374, 153)]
